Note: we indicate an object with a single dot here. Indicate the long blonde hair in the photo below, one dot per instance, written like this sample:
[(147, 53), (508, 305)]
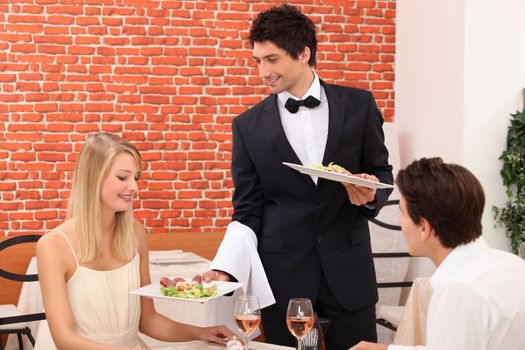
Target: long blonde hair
[(93, 165)]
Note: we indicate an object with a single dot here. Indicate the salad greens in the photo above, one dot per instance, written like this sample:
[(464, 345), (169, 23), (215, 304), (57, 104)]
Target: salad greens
[(191, 291), (332, 167)]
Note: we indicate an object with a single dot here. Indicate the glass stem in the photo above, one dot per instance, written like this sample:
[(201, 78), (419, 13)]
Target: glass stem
[(298, 344), (246, 342)]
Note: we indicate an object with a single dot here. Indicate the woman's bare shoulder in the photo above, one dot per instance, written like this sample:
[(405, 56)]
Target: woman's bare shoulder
[(140, 233), (53, 242)]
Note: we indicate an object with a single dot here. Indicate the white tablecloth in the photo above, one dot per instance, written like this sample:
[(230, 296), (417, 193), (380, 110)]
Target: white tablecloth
[(200, 345), (30, 301), (214, 312)]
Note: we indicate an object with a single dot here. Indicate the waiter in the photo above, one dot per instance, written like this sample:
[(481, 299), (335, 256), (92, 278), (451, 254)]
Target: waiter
[(311, 234)]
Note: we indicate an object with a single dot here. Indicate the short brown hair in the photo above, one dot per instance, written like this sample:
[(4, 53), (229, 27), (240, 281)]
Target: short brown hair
[(288, 29), (448, 196)]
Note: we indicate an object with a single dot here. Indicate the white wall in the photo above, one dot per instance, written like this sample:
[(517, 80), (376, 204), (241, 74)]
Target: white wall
[(429, 79), (494, 78), (460, 70)]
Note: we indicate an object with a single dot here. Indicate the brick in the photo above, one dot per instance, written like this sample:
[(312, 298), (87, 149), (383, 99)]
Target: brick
[(54, 30), (12, 37), (7, 78), (59, 19), (23, 156), (24, 28), (99, 107), (151, 51), (51, 49), (25, 48), (165, 71), (129, 99), (86, 128), (87, 21), (53, 39), (46, 215), (51, 157)]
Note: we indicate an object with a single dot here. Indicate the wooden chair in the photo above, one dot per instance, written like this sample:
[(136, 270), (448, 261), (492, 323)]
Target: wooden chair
[(13, 320)]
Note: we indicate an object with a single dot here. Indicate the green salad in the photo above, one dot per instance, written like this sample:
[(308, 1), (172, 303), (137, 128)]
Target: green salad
[(190, 291), (332, 167)]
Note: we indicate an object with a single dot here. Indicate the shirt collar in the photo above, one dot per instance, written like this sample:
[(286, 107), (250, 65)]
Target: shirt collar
[(455, 258), (314, 90)]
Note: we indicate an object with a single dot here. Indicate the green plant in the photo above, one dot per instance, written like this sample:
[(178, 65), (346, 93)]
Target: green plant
[(512, 216)]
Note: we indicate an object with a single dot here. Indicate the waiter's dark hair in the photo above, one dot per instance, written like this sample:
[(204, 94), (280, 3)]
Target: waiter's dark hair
[(448, 196), (288, 29)]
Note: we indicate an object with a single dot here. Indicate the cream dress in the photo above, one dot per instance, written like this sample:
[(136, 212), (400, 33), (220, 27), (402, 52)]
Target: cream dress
[(103, 309)]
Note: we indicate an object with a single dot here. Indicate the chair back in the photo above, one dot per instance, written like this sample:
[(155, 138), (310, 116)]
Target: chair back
[(21, 278), (392, 262), (13, 241)]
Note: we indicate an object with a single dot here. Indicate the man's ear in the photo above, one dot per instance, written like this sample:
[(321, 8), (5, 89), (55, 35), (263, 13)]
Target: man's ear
[(426, 230), (304, 56)]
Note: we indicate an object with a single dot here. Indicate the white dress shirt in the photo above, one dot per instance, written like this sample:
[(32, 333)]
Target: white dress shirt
[(478, 301), (306, 130)]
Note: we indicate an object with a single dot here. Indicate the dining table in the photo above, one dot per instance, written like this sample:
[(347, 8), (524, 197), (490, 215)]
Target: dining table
[(201, 345), (210, 313)]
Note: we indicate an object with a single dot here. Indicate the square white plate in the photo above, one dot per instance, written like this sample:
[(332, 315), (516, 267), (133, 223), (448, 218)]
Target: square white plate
[(153, 291), (173, 257), (337, 176)]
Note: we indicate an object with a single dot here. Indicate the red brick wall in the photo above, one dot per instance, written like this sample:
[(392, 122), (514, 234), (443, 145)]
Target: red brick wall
[(167, 75)]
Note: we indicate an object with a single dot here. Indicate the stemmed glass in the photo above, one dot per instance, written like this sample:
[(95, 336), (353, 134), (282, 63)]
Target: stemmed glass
[(299, 318), (247, 315)]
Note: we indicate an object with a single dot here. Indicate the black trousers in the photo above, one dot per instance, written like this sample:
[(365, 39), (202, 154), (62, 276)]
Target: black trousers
[(346, 329)]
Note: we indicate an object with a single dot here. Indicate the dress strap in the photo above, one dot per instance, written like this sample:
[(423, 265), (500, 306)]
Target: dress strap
[(69, 244)]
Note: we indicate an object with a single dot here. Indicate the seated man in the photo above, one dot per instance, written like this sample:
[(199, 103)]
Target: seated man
[(478, 299)]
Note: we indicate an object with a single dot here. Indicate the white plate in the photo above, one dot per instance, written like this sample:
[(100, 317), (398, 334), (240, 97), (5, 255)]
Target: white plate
[(337, 176), (173, 257), (153, 291)]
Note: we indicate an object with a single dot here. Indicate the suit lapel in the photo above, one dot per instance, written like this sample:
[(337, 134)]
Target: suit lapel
[(336, 113), (276, 136)]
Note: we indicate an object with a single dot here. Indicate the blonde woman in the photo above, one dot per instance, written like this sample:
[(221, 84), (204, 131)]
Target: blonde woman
[(89, 263)]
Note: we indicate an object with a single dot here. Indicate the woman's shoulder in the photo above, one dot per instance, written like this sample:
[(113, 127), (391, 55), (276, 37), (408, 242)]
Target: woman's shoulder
[(53, 243), (56, 235), (140, 233), (139, 228)]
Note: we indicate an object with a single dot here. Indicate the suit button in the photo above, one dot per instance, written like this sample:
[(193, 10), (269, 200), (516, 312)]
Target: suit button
[(319, 205), (320, 239)]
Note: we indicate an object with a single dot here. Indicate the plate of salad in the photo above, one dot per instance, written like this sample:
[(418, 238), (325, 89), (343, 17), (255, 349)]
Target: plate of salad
[(178, 288), (337, 173)]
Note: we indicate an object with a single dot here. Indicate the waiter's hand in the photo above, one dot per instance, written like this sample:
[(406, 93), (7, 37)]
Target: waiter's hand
[(215, 275), (360, 195), (364, 345)]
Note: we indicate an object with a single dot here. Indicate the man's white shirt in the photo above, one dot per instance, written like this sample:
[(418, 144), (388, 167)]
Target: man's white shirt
[(306, 130), (478, 301)]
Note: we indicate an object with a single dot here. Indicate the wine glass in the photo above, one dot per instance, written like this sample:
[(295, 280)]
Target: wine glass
[(299, 318), (247, 315)]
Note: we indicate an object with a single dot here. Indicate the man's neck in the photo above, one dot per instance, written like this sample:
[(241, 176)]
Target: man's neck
[(299, 89), (439, 254)]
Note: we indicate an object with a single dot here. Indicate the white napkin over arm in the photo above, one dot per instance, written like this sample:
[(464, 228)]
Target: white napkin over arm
[(238, 256)]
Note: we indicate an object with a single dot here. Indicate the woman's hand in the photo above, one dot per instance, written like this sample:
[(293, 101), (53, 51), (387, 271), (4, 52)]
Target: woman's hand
[(216, 334)]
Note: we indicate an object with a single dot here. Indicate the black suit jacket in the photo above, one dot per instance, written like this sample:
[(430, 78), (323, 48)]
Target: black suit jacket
[(305, 230)]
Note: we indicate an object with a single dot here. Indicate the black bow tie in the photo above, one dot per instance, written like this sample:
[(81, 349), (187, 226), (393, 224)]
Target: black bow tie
[(293, 105)]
